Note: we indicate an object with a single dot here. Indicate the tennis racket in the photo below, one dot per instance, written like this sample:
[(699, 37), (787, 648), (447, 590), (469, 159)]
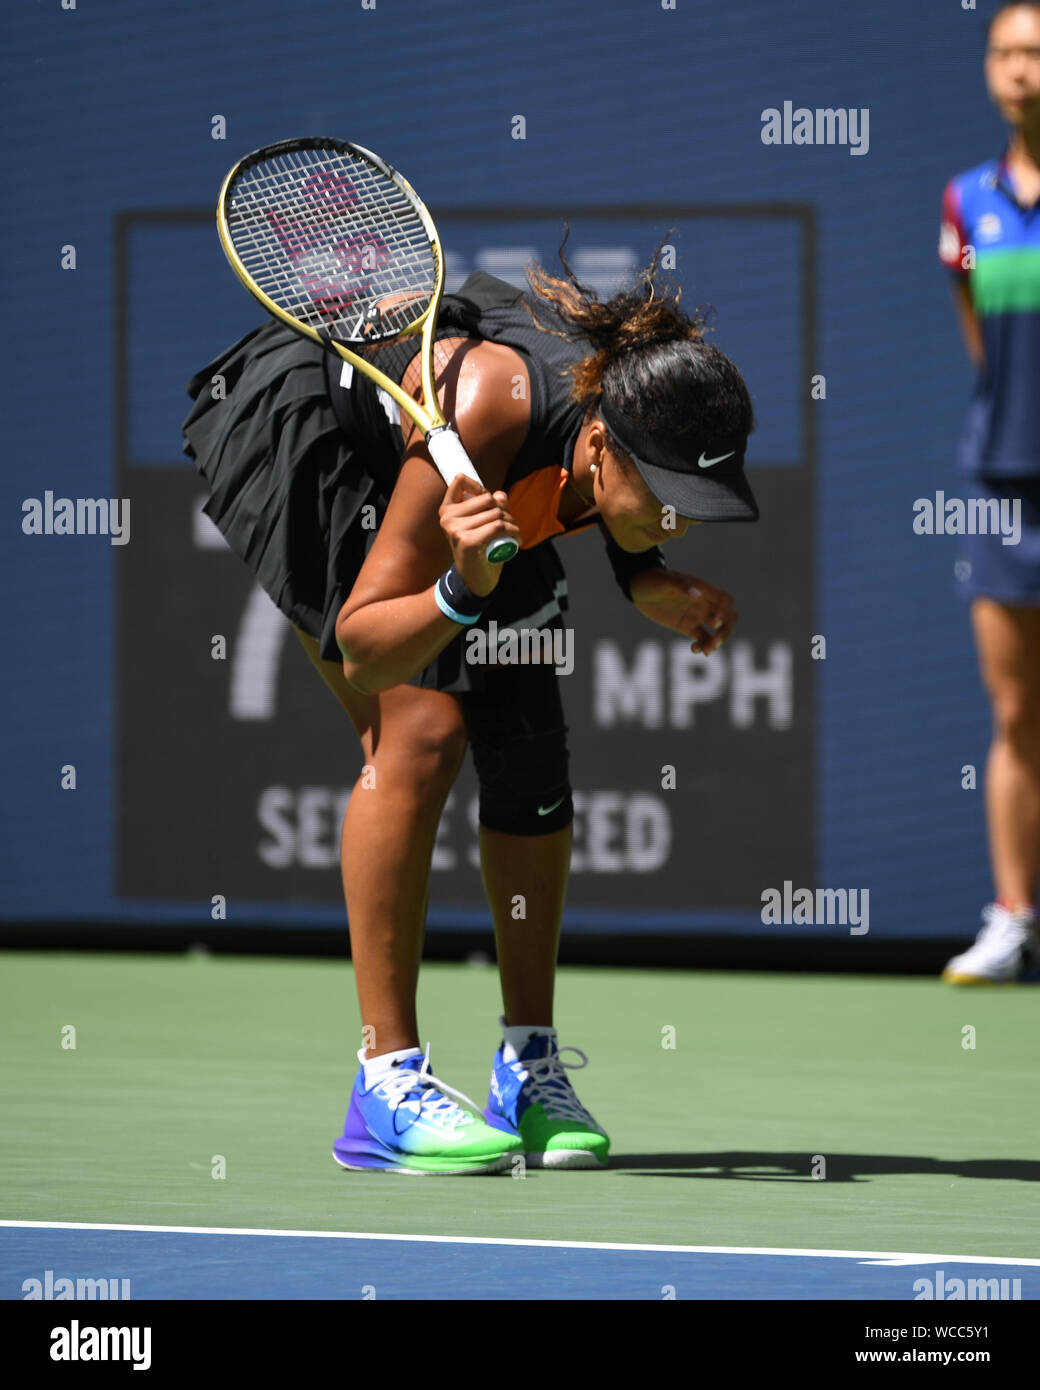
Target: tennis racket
[(337, 245)]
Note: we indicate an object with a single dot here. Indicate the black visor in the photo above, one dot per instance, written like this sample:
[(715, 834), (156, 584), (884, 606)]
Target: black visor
[(703, 481)]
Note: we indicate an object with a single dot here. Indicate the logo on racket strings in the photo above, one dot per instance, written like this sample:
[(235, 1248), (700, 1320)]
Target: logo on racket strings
[(335, 269)]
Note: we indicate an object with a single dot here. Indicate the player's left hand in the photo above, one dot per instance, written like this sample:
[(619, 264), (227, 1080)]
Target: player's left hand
[(685, 604)]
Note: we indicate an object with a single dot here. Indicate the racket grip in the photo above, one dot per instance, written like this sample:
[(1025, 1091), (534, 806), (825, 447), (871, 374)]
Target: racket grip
[(451, 459)]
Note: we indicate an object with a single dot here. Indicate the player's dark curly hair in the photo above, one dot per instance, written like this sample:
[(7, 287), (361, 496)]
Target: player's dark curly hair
[(649, 358)]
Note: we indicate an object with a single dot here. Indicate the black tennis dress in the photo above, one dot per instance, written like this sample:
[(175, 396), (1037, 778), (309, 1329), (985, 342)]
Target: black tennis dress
[(294, 447)]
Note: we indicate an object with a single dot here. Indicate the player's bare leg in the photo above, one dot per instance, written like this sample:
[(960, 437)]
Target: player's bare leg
[(414, 742), (534, 870), (1008, 641)]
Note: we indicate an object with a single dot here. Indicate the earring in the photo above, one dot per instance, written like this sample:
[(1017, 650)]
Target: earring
[(592, 468)]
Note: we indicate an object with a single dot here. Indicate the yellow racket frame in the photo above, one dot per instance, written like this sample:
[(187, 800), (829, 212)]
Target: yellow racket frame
[(445, 447)]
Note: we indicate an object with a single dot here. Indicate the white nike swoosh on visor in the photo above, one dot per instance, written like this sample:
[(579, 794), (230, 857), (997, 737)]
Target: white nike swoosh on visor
[(544, 810), (706, 463)]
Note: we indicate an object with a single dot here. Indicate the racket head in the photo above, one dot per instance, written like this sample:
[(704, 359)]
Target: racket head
[(333, 241)]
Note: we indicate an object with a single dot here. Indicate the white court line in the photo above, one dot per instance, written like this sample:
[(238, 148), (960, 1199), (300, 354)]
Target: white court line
[(881, 1256)]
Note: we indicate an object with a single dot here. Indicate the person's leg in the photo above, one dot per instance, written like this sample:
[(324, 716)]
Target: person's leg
[(519, 741), (533, 868), (1008, 643), (415, 741)]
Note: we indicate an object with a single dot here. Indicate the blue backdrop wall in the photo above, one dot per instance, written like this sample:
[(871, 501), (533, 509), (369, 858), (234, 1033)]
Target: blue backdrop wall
[(628, 106)]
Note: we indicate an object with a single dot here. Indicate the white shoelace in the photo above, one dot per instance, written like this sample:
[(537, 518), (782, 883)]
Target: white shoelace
[(551, 1087), (438, 1109)]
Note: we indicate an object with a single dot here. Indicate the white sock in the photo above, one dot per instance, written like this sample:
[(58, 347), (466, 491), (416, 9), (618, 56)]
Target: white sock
[(516, 1037), (377, 1067)]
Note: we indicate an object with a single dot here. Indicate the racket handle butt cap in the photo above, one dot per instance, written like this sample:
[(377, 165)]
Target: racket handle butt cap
[(498, 551)]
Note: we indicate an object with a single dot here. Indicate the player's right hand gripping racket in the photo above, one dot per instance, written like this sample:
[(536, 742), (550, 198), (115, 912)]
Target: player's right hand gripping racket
[(336, 244)]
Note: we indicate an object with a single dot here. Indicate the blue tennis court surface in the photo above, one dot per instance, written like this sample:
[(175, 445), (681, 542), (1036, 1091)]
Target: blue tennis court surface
[(203, 1263)]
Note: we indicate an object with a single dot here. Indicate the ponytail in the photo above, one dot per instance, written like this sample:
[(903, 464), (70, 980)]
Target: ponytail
[(647, 356)]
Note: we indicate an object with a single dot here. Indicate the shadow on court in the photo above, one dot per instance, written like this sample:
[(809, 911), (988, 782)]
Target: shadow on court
[(761, 1166)]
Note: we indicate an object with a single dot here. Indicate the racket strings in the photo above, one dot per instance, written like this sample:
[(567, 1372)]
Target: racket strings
[(334, 242)]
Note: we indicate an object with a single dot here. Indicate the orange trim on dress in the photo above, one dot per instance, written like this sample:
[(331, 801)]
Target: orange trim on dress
[(534, 502)]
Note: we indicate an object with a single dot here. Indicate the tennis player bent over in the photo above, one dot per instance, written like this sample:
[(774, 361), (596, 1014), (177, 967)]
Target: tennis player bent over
[(575, 413)]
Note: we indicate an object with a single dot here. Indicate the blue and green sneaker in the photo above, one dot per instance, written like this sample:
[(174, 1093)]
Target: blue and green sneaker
[(533, 1097), (408, 1122)]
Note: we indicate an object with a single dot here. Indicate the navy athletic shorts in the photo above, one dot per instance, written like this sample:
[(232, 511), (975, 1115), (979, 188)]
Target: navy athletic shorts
[(987, 568)]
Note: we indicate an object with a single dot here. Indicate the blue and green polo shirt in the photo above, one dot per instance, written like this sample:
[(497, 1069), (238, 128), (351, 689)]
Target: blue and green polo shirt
[(1001, 436)]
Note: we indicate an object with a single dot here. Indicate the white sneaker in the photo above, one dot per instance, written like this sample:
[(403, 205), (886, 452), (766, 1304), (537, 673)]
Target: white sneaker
[(1002, 949)]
